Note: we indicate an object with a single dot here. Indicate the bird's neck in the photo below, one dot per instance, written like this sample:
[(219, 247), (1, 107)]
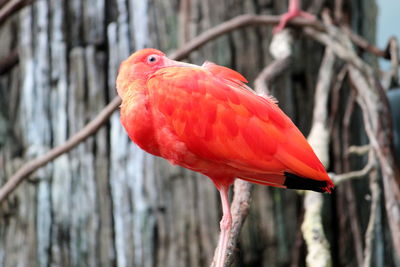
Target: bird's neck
[(134, 94), (137, 118)]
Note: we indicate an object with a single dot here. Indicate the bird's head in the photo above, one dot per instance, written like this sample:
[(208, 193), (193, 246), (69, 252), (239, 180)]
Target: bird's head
[(139, 66)]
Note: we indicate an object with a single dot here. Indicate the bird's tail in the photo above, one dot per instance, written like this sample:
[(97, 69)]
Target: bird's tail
[(292, 181)]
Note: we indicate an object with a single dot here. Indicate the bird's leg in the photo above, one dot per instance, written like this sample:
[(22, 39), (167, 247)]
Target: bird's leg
[(225, 225), (293, 11)]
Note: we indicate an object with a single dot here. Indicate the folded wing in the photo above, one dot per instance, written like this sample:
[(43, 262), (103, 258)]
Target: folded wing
[(212, 112)]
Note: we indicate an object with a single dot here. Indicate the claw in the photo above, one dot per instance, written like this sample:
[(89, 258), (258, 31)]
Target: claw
[(293, 11)]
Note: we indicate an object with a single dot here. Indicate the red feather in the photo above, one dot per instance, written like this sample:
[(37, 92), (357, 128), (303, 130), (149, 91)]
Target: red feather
[(206, 119)]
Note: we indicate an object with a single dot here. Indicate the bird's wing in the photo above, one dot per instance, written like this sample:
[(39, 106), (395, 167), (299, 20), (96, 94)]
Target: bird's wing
[(211, 111)]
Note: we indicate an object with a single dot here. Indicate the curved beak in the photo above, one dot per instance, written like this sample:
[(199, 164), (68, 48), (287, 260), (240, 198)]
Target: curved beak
[(173, 63)]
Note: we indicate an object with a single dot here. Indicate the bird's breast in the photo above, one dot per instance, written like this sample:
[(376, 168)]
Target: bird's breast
[(138, 122)]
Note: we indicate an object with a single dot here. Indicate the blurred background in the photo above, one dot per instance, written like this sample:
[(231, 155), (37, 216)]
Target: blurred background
[(108, 203)]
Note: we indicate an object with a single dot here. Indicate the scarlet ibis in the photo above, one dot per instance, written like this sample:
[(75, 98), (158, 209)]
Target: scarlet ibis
[(205, 118)]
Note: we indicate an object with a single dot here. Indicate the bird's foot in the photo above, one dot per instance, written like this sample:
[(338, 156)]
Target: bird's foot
[(226, 222), (294, 11), (225, 225)]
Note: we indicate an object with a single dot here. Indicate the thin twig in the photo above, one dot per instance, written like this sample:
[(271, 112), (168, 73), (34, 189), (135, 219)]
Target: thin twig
[(340, 178), (359, 150)]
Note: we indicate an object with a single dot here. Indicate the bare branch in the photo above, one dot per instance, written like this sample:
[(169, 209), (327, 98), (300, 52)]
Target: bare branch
[(10, 7), (73, 141), (313, 233), (370, 233), (319, 134), (234, 24), (377, 119), (364, 44), (359, 150), (270, 73)]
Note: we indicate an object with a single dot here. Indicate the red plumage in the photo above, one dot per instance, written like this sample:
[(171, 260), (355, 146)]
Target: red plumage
[(206, 119)]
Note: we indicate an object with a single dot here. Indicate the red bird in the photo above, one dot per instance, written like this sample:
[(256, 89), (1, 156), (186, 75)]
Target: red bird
[(206, 119)]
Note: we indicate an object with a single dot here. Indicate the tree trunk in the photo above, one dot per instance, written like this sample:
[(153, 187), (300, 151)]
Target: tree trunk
[(108, 203)]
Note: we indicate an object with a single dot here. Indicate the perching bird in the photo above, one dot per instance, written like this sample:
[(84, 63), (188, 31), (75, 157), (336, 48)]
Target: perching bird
[(293, 11), (206, 119)]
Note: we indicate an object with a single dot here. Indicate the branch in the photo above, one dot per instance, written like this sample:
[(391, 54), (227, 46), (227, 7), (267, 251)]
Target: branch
[(370, 233), (240, 209), (237, 23), (377, 119), (359, 150), (313, 232), (380, 139), (312, 228), (10, 7), (340, 178), (364, 44), (73, 141), (270, 73)]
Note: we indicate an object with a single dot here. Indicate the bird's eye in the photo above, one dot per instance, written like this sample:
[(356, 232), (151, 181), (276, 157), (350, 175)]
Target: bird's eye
[(152, 58)]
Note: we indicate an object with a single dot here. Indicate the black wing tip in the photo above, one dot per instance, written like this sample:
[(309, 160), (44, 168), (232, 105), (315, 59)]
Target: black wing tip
[(294, 181)]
